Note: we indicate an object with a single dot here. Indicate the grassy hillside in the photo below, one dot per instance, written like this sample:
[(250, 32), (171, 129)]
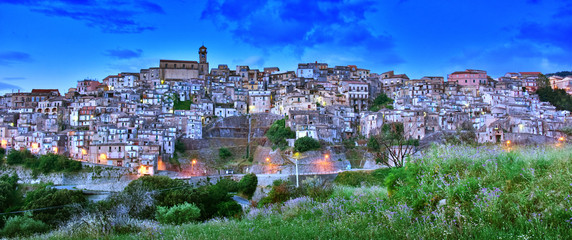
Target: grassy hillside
[(454, 192)]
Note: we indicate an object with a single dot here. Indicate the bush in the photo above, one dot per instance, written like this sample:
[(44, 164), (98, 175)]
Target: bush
[(18, 157), (22, 226), (229, 209), (224, 153), (317, 188), (228, 185), (306, 143), (247, 185), (55, 163), (49, 197), (354, 179), (278, 133), (9, 194), (179, 214), (280, 192)]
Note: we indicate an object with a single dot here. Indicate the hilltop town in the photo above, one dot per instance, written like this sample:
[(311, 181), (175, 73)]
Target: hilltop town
[(135, 120)]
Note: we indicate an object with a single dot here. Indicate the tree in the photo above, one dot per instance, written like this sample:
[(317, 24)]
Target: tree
[(247, 185), (381, 101), (9, 194), (278, 133), (391, 147), (306, 143), (18, 157), (61, 200), (542, 81)]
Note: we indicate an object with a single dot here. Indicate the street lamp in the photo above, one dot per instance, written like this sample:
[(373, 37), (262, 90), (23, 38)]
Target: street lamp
[(296, 156)]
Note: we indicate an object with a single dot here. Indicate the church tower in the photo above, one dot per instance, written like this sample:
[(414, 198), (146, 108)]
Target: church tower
[(203, 64)]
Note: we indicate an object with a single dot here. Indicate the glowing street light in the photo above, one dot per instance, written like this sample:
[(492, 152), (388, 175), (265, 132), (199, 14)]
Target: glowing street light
[(267, 159), (194, 161), (561, 139)]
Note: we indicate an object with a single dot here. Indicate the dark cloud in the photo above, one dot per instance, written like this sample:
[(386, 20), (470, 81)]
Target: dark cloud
[(124, 53), (10, 57), (151, 7), (298, 24), (110, 16), (555, 33), (6, 86)]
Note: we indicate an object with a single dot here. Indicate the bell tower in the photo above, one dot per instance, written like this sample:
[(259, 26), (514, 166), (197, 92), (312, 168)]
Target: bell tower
[(203, 64), (203, 54)]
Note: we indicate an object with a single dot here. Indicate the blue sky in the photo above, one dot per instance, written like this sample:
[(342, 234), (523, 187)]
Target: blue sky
[(55, 43)]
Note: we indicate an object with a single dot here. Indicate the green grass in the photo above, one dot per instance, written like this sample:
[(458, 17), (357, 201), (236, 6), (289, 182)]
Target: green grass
[(454, 192)]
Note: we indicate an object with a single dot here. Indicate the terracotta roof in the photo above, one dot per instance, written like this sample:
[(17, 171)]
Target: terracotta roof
[(530, 73), (46, 91)]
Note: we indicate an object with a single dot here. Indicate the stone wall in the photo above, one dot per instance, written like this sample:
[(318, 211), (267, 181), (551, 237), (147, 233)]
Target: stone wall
[(96, 179)]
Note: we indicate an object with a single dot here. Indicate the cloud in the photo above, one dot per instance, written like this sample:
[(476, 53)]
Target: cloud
[(6, 86), (110, 16), (13, 78), (256, 61), (300, 25), (11, 57), (554, 33), (124, 53)]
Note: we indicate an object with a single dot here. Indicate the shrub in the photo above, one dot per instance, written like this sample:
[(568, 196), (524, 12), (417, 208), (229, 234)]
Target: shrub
[(354, 179), (22, 226), (229, 209), (18, 157), (278, 133), (228, 185), (55, 163), (306, 143), (49, 197), (224, 153), (9, 194), (247, 185), (317, 188), (280, 192), (179, 214), (380, 174)]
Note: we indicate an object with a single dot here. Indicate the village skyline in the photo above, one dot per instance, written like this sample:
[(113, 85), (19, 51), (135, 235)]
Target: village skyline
[(54, 44)]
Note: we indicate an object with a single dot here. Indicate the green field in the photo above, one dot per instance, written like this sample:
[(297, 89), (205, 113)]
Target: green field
[(453, 192)]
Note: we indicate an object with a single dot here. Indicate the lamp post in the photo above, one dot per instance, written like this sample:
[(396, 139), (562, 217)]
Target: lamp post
[(193, 162), (296, 156)]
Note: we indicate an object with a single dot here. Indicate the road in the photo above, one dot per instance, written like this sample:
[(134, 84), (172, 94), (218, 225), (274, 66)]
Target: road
[(241, 200)]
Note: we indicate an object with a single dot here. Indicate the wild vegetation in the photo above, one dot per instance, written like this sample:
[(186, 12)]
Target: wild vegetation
[(306, 143), (43, 164), (278, 133), (452, 192), (380, 102)]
